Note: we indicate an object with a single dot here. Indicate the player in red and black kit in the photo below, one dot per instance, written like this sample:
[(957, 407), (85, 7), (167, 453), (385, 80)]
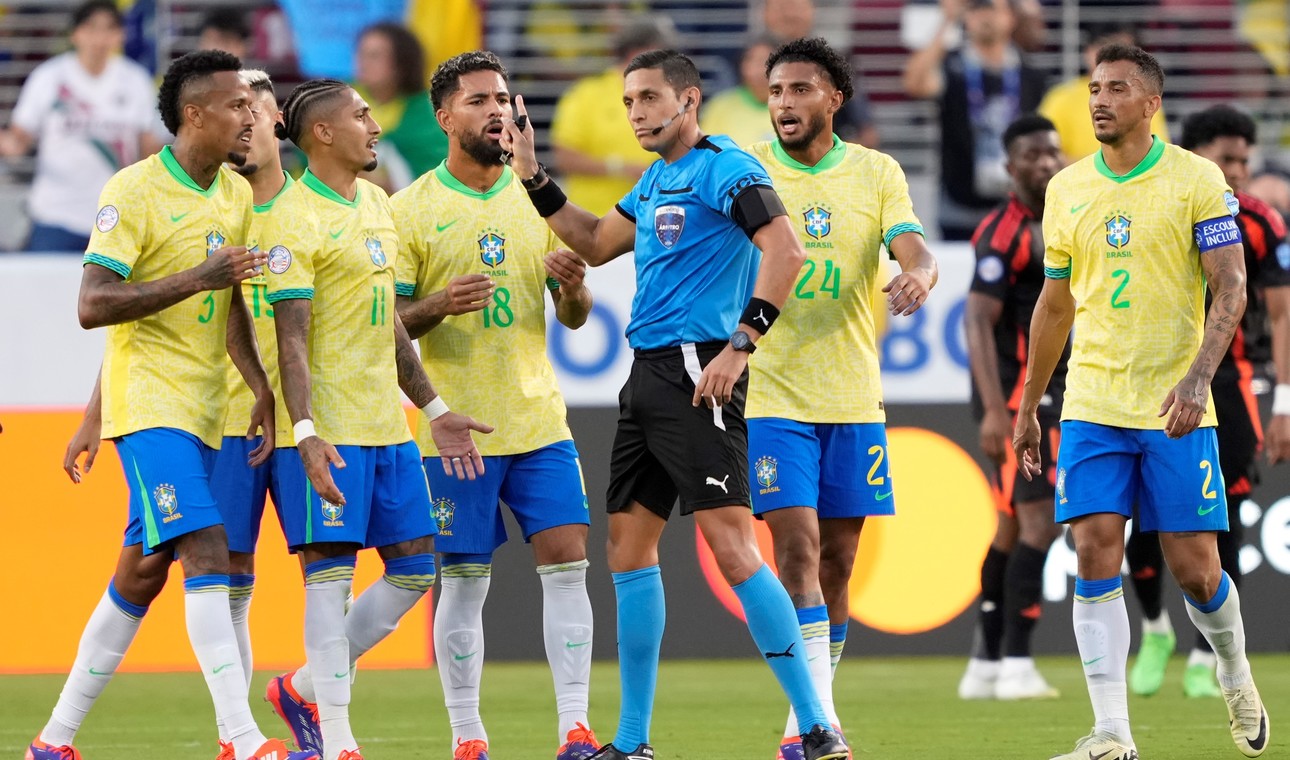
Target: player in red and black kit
[(1225, 136), (1009, 275)]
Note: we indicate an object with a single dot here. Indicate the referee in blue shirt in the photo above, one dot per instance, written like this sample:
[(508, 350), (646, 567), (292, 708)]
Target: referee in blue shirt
[(696, 220)]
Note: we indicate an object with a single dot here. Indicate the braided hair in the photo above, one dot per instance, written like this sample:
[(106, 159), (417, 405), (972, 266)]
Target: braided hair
[(298, 113)]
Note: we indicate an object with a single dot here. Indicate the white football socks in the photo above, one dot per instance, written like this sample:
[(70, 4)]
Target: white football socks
[(327, 652), (1102, 633), (210, 630), (1219, 620), (459, 645), (567, 629)]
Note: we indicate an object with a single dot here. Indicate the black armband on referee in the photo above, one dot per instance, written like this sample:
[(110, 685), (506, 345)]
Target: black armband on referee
[(754, 207), (759, 313), (547, 199)]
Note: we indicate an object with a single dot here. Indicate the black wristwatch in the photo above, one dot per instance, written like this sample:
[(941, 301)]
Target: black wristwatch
[(536, 180), (740, 341)]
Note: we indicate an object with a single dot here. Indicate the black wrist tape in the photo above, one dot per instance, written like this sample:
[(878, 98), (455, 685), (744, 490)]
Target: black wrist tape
[(548, 199), (759, 313)]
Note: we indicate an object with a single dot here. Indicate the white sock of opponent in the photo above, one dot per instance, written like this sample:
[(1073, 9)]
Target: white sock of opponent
[(104, 642), (459, 644), (210, 629), (327, 584), (566, 629), (1219, 620), (1102, 633)]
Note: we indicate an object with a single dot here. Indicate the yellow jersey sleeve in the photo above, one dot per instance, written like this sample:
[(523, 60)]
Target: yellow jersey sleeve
[(1057, 249), (118, 238), (897, 208)]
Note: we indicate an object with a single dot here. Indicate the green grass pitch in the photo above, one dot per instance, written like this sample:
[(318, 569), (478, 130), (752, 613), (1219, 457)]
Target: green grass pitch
[(707, 710)]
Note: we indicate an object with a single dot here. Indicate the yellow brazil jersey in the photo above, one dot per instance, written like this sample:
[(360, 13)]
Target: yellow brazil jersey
[(166, 369), (254, 290), (1066, 106), (1129, 246), (820, 362), (490, 364), (739, 115), (341, 254)]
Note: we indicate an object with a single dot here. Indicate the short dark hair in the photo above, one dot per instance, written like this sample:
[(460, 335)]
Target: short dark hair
[(678, 70), (1147, 64), (447, 78), (182, 74), (816, 50), (88, 10), (1204, 127), (302, 106), (408, 56), (227, 21), (1028, 124), (645, 32)]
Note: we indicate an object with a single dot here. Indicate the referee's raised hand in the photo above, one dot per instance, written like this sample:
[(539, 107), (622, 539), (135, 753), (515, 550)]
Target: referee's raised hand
[(717, 383)]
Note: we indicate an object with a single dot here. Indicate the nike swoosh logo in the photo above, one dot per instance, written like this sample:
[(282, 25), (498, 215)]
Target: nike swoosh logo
[(1258, 741), (341, 675), (335, 235), (441, 227), (1202, 511), (1095, 659), (1076, 210), (813, 659), (221, 668), (460, 657), (882, 496), (642, 197), (1092, 756), (576, 644), (174, 218), (94, 672)]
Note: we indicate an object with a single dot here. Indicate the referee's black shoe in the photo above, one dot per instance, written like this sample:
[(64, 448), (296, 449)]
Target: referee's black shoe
[(824, 744), (642, 752)]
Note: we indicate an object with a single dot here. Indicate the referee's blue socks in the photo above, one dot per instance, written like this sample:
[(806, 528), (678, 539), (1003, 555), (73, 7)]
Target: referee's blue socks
[(774, 627), (641, 615)]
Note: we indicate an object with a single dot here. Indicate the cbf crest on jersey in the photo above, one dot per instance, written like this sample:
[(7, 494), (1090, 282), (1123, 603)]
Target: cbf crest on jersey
[(767, 471), (214, 241), (167, 502), (442, 510), (1117, 231), (492, 249), (375, 250), (669, 223), (819, 222), (332, 513)]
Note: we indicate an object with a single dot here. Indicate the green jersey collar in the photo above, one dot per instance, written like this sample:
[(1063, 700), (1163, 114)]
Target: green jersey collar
[(264, 207), (312, 182), (1151, 159), (830, 159), (452, 183), (171, 163)]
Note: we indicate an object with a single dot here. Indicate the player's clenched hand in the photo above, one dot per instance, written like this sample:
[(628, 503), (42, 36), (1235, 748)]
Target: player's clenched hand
[(1025, 444), (717, 383), (566, 267), (518, 142), (1278, 440), (86, 441), (451, 435), (1185, 406), (318, 457), (907, 292), (262, 418), (467, 293), (226, 267), (995, 438)]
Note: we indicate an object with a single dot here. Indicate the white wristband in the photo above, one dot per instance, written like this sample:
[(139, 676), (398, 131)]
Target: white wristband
[(1281, 399), (435, 409), (303, 429)]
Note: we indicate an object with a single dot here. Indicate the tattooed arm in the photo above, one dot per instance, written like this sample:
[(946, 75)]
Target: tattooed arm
[(1186, 403), (239, 341), (412, 374), (291, 322)]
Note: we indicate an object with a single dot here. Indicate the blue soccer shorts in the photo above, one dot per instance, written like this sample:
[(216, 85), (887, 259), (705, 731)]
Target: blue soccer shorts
[(543, 488), (1176, 483), (840, 470), (169, 473), (240, 491), (387, 499)]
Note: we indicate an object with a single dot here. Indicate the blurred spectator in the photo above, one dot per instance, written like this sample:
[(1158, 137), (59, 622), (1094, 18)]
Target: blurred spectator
[(740, 112), (88, 113), (787, 20), (1265, 25), (446, 28), (919, 19), (595, 146), (1273, 189), (982, 88), (325, 31), (1066, 104), (390, 75), (224, 29)]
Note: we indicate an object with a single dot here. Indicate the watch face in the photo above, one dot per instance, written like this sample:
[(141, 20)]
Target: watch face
[(740, 340)]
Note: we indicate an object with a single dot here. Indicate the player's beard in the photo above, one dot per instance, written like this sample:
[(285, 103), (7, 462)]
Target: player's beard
[(247, 168), (237, 160), (371, 166), (813, 127), (480, 147)]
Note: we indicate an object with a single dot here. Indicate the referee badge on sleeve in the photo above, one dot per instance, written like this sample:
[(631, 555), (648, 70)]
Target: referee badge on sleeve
[(989, 269), (669, 222)]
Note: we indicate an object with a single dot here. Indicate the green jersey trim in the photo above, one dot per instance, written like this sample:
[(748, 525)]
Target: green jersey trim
[(290, 294), (901, 229), (106, 263), (830, 159), (1151, 159), (149, 520), (312, 182), (452, 183), (268, 205), (171, 163), (1057, 273), (405, 289)]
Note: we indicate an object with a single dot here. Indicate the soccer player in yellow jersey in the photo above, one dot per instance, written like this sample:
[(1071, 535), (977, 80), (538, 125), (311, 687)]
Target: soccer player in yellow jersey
[(166, 251), (817, 445), (1132, 235), (355, 478), (474, 272)]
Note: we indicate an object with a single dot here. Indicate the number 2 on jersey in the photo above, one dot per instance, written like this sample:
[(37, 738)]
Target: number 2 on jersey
[(874, 478), (1116, 302), (1206, 492)]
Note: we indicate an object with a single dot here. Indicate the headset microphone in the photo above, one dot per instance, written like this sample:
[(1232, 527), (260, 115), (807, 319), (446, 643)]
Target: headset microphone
[(668, 121)]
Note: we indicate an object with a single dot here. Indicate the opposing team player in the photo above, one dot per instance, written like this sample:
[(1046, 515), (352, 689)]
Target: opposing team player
[(1225, 136), (1133, 233), (473, 275), (354, 479), (817, 444), (160, 273), (1009, 275), (693, 220)]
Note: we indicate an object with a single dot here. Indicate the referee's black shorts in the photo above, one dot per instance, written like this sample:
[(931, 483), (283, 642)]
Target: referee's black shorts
[(665, 447)]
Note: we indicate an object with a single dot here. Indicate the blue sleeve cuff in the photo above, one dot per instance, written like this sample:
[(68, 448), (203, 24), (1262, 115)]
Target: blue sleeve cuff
[(901, 229), (290, 294), (107, 263), (1057, 273), (405, 289)]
